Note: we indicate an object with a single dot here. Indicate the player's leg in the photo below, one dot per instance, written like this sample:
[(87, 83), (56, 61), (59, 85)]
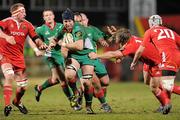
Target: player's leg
[(99, 93), (7, 87), (87, 71), (72, 66), (49, 82), (22, 82), (146, 74), (59, 74), (102, 78)]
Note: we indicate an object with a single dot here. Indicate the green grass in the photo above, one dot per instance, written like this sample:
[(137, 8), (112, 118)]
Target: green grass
[(130, 101)]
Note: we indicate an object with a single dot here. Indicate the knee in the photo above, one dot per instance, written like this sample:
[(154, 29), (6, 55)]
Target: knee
[(153, 87), (168, 84), (22, 83)]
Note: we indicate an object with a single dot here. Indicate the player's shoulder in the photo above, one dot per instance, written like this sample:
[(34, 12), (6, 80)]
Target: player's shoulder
[(27, 22), (59, 25), (77, 27), (8, 19)]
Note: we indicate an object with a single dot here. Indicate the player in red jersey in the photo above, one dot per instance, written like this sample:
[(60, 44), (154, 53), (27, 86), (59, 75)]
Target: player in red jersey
[(166, 41), (152, 59), (15, 28)]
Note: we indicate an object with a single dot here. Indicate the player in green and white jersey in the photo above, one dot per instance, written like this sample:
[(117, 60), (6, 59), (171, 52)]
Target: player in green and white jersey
[(53, 58), (94, 35), (77, 56)]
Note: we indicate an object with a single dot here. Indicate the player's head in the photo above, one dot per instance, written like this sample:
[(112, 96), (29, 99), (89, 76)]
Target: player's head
[(155, 20), (85, 20), (122, 36), (48, 15), (18, 11), (78, 17), (68, 19)]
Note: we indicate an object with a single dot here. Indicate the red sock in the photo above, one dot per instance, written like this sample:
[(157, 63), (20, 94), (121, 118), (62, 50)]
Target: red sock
[(7, 94), (162, 97), (176, 89), (99, 94), (19, 94)]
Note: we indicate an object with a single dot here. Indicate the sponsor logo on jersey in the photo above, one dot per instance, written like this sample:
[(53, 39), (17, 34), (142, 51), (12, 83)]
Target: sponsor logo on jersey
[(46, 33), (17, 33), (89, 34)]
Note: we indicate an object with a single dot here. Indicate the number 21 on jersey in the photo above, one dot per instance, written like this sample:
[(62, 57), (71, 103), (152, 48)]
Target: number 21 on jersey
[(165, 33)]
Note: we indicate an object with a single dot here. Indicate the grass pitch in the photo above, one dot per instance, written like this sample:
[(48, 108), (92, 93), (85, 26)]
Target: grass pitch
[(129, 101)]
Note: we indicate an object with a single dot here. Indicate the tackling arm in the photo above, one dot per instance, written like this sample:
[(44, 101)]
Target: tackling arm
[(137, 56), (107, 55)]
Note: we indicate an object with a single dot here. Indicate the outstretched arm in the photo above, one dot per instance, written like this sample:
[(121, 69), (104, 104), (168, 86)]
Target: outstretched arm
[(137, 56), (106, 55), (34, 47)]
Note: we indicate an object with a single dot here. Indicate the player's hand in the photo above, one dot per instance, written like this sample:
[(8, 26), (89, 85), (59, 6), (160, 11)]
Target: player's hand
[(52, 44), (39, 53), (62, 43), (118, 60), (43, 46), (93, 55), (11, 40), (132, 66), (111, 29), (103, 43)]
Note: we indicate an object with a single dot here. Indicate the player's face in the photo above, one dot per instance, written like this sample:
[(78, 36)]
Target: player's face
[(78, 19), (48, 16), (22, 13), (84, 20), (68, 24)]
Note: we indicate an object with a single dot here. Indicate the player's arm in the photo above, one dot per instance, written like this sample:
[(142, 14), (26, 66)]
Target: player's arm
[(9, 39), (79, 42), (106, 55), (35, 38), (98, 37), (34, 47), (140, 49), (137, 56), (64, 52), (178, 40)]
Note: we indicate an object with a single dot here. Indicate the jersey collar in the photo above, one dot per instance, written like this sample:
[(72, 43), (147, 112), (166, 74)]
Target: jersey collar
[(47, 24)]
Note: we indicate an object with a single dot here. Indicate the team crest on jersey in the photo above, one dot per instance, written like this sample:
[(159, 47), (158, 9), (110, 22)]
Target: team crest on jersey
[(78, 34), (23, 27)]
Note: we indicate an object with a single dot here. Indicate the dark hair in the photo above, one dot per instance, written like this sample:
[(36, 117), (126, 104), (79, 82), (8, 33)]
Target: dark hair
[(15, 7), (68, 14), (123, 35)]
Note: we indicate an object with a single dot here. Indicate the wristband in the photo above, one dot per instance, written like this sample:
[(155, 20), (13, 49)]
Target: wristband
[(35, 49)]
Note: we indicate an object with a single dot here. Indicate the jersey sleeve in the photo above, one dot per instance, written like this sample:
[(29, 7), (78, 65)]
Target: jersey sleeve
[(3, 25), (146, 39), (177, 40), (129, 49), (79, 33), (32, 32), (97, 34), (39, 32), (60, 32)]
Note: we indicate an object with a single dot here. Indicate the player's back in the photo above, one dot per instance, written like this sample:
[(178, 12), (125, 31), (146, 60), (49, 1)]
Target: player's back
[(163, 37), (150, 55)]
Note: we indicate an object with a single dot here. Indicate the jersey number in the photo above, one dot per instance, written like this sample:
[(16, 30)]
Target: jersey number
[(165, 33)]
